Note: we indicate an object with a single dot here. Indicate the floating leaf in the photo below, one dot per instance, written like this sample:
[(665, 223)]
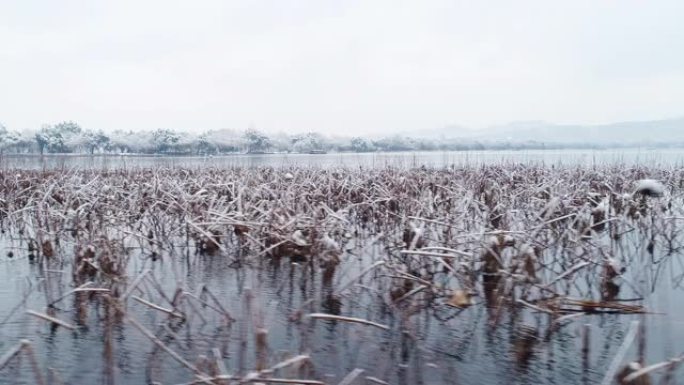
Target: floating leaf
[(460, 298)]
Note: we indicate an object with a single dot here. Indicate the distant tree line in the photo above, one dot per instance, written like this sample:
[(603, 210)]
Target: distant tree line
[(69, 137)]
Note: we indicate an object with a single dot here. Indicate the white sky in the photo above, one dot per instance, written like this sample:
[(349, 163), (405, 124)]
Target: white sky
[(346, 67)]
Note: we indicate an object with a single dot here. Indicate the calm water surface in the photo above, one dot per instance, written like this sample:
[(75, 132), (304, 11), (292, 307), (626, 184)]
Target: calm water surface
[(648, 157), (442, 345)]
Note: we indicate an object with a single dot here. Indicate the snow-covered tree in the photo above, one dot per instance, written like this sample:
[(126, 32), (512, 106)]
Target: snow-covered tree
[(281, 142), (359, 144), (186, 143), (42, 140), (49, 139), (309, 142), (164, 140), (95, 140), (7, 139), (396, 143), (130, 141), (67, 128), (218, 141), (256, 141), (61, 137)]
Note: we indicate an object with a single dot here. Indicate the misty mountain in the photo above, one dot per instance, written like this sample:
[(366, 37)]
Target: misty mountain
[(654, 131)]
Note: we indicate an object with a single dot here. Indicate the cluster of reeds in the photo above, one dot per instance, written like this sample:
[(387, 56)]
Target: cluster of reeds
[(556, 241)]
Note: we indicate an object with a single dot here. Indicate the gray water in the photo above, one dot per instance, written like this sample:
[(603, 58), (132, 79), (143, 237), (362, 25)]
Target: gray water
[(650, 157), (441, 345)]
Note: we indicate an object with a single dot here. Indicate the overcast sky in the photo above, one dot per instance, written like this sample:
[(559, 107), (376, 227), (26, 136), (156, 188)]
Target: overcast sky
[(348, 67)]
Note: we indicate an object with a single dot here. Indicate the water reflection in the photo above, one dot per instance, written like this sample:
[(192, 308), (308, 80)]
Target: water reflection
[(434, 345)]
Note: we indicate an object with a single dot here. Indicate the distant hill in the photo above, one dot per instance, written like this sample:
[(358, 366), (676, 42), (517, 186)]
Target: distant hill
[(654, 131)]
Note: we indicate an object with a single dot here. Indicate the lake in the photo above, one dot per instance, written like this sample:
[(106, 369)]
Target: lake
[(651, 157), (516, 268)]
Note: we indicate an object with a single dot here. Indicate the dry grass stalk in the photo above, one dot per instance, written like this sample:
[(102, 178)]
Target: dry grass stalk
[(351, 377), (163, 346), (286, 381), (376, 380), (25, 347), (54, 320), (347, 319), (219, 362), (435, 254), (568, 317), (208, 305), (411, 293), (218, 303), (359, 276), (134, 284), (534, 307), (651, 368), (37, 374), (609, 376), (7, 357), (261, 347), (597, 306), (288, 362), (170, 312), (569, 272)]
